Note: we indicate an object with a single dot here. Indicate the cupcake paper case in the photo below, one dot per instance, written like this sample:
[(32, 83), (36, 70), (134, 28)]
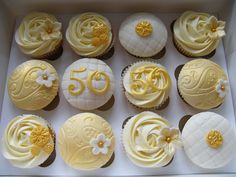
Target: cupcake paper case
[(147, 84), (89, 34), (149, 141), (143, 35), (203, 84), (28, 141), (88, 84), (197, 34), (209, 140), (33, 85), (86, 141), (39, 36)]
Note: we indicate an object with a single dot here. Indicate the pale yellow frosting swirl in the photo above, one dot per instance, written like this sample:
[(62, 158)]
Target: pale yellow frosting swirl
[(16, 144), (83, 37), (38, 34), (140, 139), (198, 34), (147, 84)]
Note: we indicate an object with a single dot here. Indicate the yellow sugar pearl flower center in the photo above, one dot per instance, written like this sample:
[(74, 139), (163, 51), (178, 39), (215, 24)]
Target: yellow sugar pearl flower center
[(168, 139), (214, 139), (213, 29), (222, 88), (49, 30), (144, 28), (100, 144), (45, 77)]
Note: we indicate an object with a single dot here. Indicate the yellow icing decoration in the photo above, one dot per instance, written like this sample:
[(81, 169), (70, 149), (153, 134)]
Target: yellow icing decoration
[(101, 34), (98, 76), (148, 77), (72, 87), (214, 139), (144, 28), (40, 138)]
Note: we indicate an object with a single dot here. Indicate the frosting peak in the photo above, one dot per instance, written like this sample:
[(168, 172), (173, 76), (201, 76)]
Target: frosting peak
[(27, 141), (147, 84), (149, 141), (89, 34), (38, 34), (198, 33)]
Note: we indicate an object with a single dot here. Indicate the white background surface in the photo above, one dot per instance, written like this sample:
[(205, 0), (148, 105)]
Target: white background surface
[(121, 109)]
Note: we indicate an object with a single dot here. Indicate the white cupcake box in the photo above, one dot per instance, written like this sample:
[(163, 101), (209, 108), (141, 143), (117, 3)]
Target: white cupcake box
[(11, 13)]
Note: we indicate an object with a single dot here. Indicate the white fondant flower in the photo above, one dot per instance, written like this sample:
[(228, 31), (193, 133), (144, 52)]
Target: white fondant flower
[(51, 30), (222, 87), (44, 77), (215, 28), (100, 144), (169, 140)]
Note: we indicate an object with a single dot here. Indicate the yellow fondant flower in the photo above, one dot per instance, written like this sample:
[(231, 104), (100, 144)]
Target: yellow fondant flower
[(215, 28), (169, 140)]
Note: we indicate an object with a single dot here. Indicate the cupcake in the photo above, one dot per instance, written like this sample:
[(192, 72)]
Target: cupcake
[(209, 140), (146, 84), (197, 34), (143, 35), (39, 36), (149, 141), (90, 35), (88, 84), (202, 84), (33, 85), (86, 142), (28, 142)]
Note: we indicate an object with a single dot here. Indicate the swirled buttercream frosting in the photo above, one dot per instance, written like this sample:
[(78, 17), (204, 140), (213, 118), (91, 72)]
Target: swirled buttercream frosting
[(149, 141), (33, 85), (86, 141), (147, 84), (27, 141), (38, 34), (89, 34), (198, 34), (203, 84)]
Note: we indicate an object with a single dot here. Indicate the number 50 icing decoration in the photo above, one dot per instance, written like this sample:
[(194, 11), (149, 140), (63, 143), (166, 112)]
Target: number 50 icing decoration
[(92, 75)]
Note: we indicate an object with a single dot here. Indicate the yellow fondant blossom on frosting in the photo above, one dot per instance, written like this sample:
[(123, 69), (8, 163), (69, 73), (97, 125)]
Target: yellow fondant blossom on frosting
[(169, 139), (215, 28), (101, 34), (40, 138), (214, 139), (100, 144), (44, 77), (50, 30)]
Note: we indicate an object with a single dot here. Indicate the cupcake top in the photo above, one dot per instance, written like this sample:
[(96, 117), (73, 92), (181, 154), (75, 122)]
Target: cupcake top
[(203, 84), (88, 83), (198, 33), (33, 85), (38, 34), (143, 35), (86, 141), (209, 140), (27, 141), (149, 141), (89, 34), (147, 84)]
